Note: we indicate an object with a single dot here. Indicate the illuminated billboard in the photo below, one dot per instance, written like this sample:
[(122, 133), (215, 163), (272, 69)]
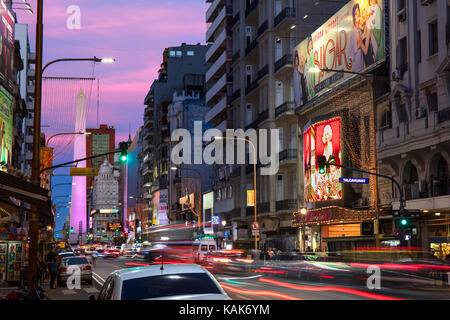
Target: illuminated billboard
[(6, 127), (160, 207), (322, 139), (6, 47), (351, 40)]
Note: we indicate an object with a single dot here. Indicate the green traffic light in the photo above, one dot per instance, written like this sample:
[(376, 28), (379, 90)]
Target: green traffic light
[(123, 158), (404, 222)]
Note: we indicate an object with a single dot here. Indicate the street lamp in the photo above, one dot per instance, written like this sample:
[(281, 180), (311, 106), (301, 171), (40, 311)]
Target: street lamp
[(94, 59), (254, 173), (64, 134)]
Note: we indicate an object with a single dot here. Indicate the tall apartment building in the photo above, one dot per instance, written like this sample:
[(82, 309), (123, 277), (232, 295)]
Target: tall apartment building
[(250, 83), (182, 70), (99, 140), (413, 138), (185, 180)]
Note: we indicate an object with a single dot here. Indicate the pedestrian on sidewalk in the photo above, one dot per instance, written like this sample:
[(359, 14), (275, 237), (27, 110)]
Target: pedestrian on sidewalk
[(53, 268), (42, 267)]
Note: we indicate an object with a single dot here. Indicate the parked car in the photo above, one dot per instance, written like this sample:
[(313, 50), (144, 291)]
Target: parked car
[(81, 262), (65, 255), (171, 282)]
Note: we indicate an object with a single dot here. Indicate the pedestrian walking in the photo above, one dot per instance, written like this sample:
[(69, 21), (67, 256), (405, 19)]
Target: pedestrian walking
[(271, 253), (53, 268)]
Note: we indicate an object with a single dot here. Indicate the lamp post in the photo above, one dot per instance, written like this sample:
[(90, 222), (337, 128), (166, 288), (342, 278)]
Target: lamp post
[(254, 174), (35, 172), (64, 134), (201, 196)]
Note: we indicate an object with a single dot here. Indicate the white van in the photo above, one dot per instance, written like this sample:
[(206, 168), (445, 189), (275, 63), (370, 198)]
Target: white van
[(201, 247)]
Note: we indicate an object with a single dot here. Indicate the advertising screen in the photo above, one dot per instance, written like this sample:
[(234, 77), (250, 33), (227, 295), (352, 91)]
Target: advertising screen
[(6, 47), (351, 40), (322, 139), (6, 127)]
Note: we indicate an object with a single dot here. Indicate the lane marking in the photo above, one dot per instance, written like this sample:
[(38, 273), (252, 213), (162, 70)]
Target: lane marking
[(91, 290), (69, 292)]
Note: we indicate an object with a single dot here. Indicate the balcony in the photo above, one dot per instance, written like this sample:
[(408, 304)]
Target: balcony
[(213, 11), (217, 47), (218, 68), (252, 86), (217, 88), (215, 25), (285, 108), (236, 56), (284, 62), (263, 72), (216, 110), (222, 126), (149, 112), (261, 118), (443, 115), (251, 8), (286, 14), (235, 95), (289, 204), (236, 19), (252, 46), (262, 28), (288, 155)]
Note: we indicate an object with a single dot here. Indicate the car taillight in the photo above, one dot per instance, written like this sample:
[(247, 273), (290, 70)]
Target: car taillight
[(87, 268), (62, 269)]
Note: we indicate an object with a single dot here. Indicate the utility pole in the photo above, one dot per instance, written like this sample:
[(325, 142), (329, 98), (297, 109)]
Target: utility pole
[(35, 174)]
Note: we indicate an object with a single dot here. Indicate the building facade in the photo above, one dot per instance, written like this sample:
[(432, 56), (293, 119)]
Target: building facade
[(182, 70), (252, 88), (413, 137), (105, 201)]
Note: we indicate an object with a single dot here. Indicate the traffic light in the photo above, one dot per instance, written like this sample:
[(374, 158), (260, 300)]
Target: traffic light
[(404, 222), (123, 146), (322, 161), (71, 230)]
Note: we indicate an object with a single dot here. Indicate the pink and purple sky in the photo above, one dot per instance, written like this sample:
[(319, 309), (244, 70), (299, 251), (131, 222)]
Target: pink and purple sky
[(134, 32)]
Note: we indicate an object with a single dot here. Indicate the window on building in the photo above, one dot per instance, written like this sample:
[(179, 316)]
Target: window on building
[(230, 192), (401, 4), (190, 53), (386, 120), (172, 53), (179, 54), (402, 56), (219, 194), (433, 101), (402, 115), (433, 37)]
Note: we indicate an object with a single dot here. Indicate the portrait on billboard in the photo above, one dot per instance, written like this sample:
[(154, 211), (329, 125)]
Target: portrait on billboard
[(351, 40), (322, 139)]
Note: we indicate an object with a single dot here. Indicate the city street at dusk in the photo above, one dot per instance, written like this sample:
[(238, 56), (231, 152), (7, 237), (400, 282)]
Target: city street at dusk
[(225, 156)]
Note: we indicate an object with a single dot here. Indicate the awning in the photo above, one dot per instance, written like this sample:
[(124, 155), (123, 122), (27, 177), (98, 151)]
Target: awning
[(25, 191), (333, 214)]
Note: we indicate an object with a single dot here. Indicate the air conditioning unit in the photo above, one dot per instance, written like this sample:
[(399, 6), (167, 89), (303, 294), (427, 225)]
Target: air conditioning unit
[(397, 75), (426, 2), (401, 15), (421, 113)]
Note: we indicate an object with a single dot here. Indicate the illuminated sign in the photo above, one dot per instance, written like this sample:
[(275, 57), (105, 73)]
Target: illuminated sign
[(6, 128), (115, 226), (250, 198), (109, 210), (322, 139), (91, 172), (351, 40)]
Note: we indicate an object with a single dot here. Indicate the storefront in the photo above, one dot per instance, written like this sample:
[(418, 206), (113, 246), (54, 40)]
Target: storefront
[(334, 229), (16, 197)]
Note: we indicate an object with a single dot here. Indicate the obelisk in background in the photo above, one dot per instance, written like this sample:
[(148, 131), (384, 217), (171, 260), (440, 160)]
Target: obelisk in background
[(78, 205)]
